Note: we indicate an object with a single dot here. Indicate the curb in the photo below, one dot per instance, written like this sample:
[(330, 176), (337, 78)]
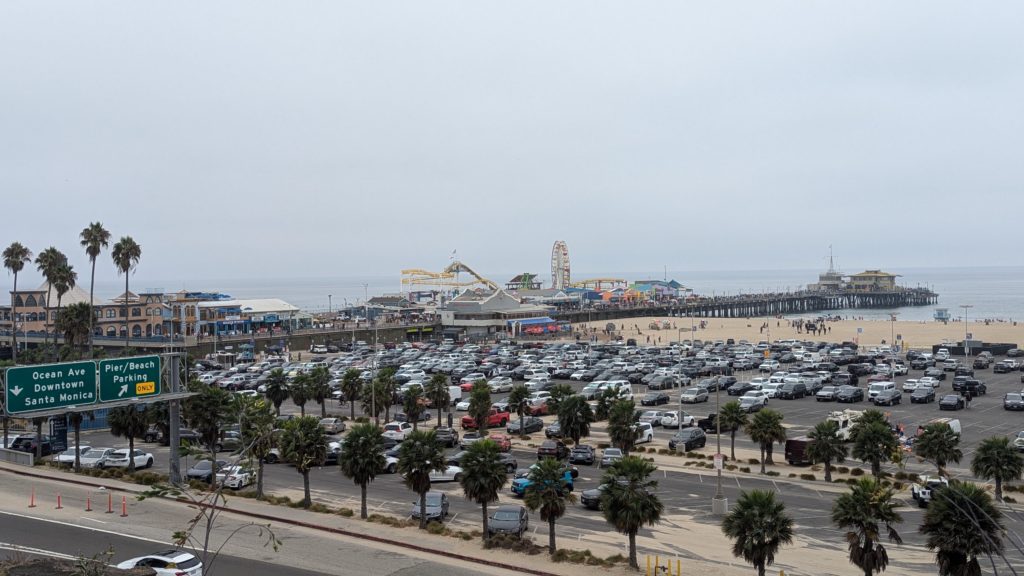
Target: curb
[(301, 524)]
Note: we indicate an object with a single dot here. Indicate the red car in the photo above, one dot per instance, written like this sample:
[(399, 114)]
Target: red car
[(504, 441)]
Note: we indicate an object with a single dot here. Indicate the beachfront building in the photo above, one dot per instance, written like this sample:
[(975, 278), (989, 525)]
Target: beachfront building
[(482, 313), (254, 316), (146, 312), (524, 281), (560, 299), (872, 281), (184, 305), (659, 290)]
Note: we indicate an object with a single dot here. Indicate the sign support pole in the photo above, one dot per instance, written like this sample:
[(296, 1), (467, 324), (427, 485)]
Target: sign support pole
[(174, 418)]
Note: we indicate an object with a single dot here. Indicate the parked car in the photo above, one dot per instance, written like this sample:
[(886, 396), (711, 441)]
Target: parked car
[(166, 563), (436, 506), (95, 456), (654, 399), (791, 391), (446, 436), (677, 419), (582, 454), (850, 394), (951, 402), (552, 449), (119, 459), (205, 469), (888, 397), (235, 477), (1013, 401), (922, 395), (826, 394), (591, 499), (751, 404), (28, 443), (693, 395), (509, 519), (449, 474), (652, 417), (529, 424), (610, 456), (397, 430), (687, 439), (67, 457)]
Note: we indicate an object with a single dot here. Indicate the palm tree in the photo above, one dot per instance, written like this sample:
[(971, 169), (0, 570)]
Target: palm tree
[(998, 460), (483, 476), (559, 392), (351, 387), (126, 255), (517, 400), (862, 512), (131, 423), (386, 377), (73, 324), (622, 429), (766, 429), (319, 387), (733, 418), (47, 263), (304, 445), (94, 239), (962, 523), (873, 443), (604, 404), (412, 403), (75, 419), (300, 392), (375, 397), (629, 502), (939, 444), (760, 526), (277, 389), (419, 455), (866, 419), (549, 492), (206, 412), (575, 417), (826, 446), (15, 257), (64, 280), (257, 429), (480, 405), (437, 392), (362, 457)]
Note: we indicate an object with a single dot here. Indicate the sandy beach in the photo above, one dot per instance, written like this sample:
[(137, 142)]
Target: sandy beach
[(918, 335)]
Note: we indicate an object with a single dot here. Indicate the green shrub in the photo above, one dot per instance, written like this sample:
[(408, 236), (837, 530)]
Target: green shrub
[(771, 473), (435, 527), (856, 472), (745, 469), (792, 475), (754, 461), (318, 507), (897, 485), (346, 512), (663, 451), (843, 470), (808, 477), (730, 467), (1009, 499)]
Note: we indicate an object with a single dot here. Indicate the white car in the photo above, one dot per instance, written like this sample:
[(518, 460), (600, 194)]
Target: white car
[(768, 390), (769, 366), (119, 459), (929, 380), (693, 396), (759, 395), (500, 384), (332, 425), (899, 369), (462, 405), (390, 464), (577, 375), (677, 420), (167, 563), (911, 384), (235, 477), (68, 456), (95, 456), (397, 430), (449, 474)]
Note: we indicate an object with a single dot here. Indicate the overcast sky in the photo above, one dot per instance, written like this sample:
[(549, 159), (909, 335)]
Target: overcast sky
[(247, 139)]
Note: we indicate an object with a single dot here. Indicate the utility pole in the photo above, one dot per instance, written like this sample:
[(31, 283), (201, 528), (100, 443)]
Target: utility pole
[(967, 348), (174, 418), (719, 504)]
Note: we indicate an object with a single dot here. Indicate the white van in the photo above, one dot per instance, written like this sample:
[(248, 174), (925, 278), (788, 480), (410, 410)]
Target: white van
[(878, 387)]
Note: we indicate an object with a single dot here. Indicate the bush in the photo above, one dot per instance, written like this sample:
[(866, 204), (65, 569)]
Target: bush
[(745, 469), (730, 467), (856, 472), (754, 461), (603, 445), (639, 449), (435, 527), (791, 475), (843, 470), (663, 451), (346, 512), (808, 477), (771, 473), (1009, 499), (851, 481), (901, 475), (510, 542), (897, 485), (317, 507), (149, 478)]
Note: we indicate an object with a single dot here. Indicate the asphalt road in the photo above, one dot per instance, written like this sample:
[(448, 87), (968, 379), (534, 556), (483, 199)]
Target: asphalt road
[(686, 494)]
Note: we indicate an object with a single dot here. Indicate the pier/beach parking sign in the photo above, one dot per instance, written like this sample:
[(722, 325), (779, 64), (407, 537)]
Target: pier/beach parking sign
[(125, 378)]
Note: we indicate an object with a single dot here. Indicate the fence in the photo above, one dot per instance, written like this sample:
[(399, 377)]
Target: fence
[(17, 457)]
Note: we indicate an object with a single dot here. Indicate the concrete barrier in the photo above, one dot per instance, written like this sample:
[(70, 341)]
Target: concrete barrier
[(17, 457)]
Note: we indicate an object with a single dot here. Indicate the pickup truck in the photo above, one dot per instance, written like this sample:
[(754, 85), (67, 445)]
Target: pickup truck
[(922, 491), (495, 419), (710, 424)]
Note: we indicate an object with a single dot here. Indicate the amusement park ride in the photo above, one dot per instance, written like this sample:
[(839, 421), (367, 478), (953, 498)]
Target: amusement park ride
[(449, 279)]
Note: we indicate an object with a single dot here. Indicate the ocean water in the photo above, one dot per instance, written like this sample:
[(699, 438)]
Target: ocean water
[(994, 293)]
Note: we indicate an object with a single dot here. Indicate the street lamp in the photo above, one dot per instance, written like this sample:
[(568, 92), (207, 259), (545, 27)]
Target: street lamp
[(330, 306), (719, 503), (967, 349)]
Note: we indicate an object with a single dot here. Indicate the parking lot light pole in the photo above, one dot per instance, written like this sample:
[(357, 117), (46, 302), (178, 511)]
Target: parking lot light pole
[(719, 503), (967, 349)]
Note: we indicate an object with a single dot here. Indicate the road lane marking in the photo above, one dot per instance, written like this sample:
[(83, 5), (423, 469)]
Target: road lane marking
[(100, 530), (92, 519), (36, 551)]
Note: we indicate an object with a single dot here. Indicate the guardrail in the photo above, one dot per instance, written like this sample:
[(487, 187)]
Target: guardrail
[(17, 457)]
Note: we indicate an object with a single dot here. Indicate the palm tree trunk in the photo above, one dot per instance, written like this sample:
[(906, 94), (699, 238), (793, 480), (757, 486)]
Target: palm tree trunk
[(131, 454), (876, 468), (632, 552), (46, 318), (762, 458), (439, 415), (828, 471), (323, 409), (92, 314), (999, 488), (415, 421), (352, 405), (259, 479), (732, 445), (302, 410), (59, 297), (760, 568), (125, 313), (14, 338), (483, 509), (551, 535), (768, 453), (423, 510), (362, 504), (39, 438), (78, 441), (306, 500)]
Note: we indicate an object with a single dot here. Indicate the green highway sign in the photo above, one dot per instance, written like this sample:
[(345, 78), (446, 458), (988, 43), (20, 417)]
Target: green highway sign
[(33, 388), (126, 378)]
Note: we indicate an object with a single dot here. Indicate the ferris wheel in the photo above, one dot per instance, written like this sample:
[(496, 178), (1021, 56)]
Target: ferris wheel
[(559, 265)]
